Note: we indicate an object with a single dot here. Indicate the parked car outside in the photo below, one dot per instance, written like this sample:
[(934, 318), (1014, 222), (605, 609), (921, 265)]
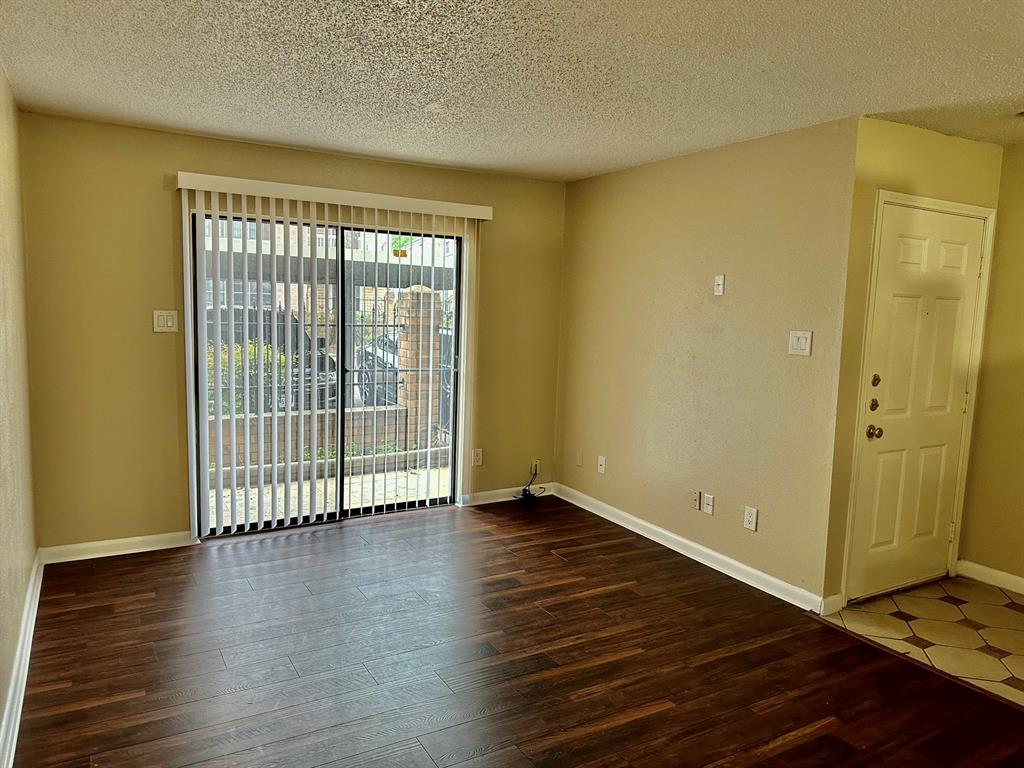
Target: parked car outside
[(379, 374)]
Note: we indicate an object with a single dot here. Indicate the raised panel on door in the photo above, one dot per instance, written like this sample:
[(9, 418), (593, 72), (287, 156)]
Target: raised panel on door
[(941, 371), (930, 496), (887, 505), (901, 360)]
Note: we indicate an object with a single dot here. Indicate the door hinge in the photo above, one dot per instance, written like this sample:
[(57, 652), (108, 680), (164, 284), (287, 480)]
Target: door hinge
[(952, 530), (967, 400), (981, 266)]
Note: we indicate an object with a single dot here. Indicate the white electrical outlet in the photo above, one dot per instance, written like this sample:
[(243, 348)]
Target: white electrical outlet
[(750, 518), (709, 504), (478, 457), (535, 467), (600, 465), (695, 500), (719, 285), (579, 457)]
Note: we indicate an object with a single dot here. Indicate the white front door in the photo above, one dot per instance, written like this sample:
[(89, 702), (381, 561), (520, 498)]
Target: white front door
[(913, 395)]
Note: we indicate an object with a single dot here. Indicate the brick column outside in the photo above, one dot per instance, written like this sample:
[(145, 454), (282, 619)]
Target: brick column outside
[(419, 347)]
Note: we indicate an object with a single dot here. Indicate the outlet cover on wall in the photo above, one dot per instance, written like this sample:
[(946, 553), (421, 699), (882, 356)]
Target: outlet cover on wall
[(694, 499), (709, 504), (719, 285), (600, 465), (478, 457), (535, 467), (750, 518), (579, 457)]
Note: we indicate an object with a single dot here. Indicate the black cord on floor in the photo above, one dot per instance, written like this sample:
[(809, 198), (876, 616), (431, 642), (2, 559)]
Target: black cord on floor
[(528, 495)]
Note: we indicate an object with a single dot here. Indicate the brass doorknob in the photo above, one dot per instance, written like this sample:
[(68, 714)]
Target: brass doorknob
[(874, 431), (876, 380)]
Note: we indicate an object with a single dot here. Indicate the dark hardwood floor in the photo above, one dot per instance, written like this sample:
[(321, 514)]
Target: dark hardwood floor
[(494, 636)]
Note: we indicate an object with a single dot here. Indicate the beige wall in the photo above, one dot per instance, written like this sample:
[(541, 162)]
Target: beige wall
[(682, 390), (103, 250), (677, 389), (993, 528), (17, 545), (898, 158)]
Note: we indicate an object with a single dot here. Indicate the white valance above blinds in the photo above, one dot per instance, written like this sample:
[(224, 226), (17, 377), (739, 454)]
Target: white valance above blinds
[(273, 189)]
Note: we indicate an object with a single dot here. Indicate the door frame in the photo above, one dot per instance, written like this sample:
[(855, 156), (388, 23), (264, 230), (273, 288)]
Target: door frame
[(988, 217)]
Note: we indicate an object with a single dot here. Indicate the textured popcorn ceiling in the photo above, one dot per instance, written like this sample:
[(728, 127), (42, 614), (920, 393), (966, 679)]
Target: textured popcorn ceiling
[(555, 89)]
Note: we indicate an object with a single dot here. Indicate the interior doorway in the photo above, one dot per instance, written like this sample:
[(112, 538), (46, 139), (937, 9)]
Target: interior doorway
[(918, 377)]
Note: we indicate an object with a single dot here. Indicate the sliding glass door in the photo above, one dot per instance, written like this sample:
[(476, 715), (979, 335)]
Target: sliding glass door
[(401, 351), (326, 363)]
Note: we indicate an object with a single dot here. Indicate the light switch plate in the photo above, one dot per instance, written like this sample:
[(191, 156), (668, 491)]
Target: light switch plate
[(165, 321), (600, 465), (709, 504), (800, 343), (719, 285)]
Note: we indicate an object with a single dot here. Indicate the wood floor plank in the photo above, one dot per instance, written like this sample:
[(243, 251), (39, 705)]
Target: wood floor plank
[(154, 695), (482, 637), (252, 740), (318, 746)]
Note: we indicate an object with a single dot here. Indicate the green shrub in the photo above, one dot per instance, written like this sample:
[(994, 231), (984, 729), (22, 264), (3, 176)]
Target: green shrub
[(247, 370)]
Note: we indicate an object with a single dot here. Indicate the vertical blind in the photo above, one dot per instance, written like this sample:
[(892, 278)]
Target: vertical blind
[(325, 343)]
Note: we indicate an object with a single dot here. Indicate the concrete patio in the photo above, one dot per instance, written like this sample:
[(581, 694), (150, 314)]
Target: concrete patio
[(382, 489)]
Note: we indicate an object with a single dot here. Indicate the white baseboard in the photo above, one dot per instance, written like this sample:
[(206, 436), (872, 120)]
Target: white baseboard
[(489, 497), (832, 604), (19, 671), (90, 549), (991, 576), (709, 557)]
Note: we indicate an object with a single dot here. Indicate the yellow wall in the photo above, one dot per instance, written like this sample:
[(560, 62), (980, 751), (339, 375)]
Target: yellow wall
[(103, 250), (898, 158), (17, 545), (682, 390), (677, 389), (993, 527)]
